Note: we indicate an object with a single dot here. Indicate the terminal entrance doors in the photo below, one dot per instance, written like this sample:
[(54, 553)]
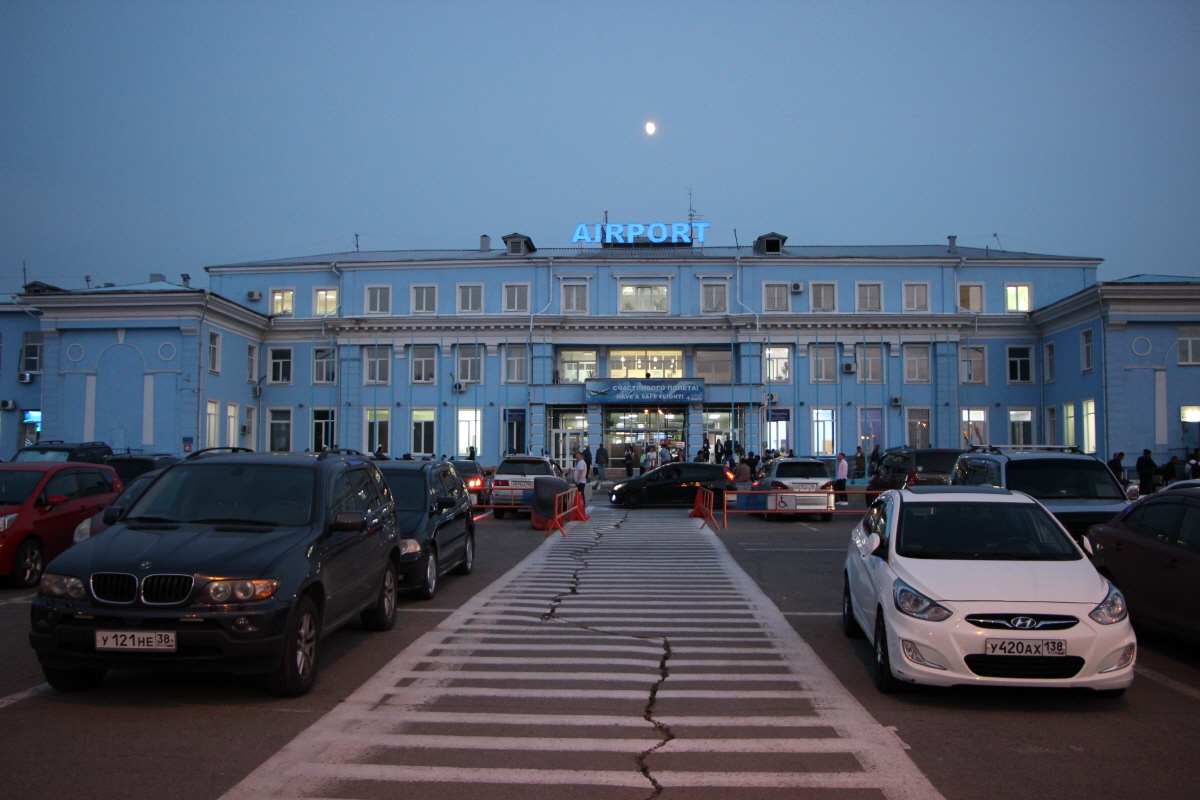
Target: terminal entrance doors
[(564, 444)]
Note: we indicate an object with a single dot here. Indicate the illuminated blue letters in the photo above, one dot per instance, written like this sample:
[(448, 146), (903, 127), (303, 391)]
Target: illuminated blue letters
[(628, 232), (581, 234), (661, 236)]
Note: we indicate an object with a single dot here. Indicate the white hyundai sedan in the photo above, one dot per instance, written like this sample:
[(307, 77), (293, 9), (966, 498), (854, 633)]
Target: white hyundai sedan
[(971, 585)]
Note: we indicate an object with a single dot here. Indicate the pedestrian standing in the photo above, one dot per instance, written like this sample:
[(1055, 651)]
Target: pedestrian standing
[(1194, 465), (860, 463), (874, 460), (839, 485), (602, 462), (471, 453), (1145, 469), (1170, 471), (742, 473), (664, 455), (1118, 471), (581, 471), (628, 461), (587, 458)]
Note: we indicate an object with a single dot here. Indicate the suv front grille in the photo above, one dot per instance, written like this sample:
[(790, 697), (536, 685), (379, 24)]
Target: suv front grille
[(162, 590), (114, 587), (1031, 667), (1042, 622)]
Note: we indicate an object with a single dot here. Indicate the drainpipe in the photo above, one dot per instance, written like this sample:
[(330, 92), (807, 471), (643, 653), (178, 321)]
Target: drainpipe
[(529, 404), (200, 366)]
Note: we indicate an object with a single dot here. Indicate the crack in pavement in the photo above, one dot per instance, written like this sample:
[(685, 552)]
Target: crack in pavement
[(664, 671)]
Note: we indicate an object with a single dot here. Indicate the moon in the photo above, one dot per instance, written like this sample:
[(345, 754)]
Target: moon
[(651, 128)]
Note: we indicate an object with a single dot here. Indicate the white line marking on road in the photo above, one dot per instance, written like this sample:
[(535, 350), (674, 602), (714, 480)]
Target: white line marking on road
[(406, 610), (1170, 683), (40, 689), (812, 613), (794, 549)]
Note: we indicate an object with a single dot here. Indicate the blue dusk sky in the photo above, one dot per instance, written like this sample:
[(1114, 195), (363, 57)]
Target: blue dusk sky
[(143, 137)]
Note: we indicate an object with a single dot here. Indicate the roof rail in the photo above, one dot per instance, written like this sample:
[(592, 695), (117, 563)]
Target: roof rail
[(219, 449), (338, 451), (1000, 448)]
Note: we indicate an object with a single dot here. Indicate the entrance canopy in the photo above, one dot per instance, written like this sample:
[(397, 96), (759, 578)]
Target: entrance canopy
[(645, 391)]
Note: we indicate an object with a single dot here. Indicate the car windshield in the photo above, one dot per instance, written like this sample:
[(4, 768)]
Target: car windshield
[(264, 494), (1063, 479), (524, 468), (937, 463), (133, 490), (800, 469), (408, 487), (17, 485), (982, 532), (41, 455)]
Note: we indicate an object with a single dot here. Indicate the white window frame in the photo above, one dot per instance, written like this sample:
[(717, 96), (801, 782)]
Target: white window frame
[(912, 348), (773, 356), (233, 423), (412, 426), (1008, 359), (578, 289), (423, 288), (1088, 409), (367, 422), (654, 286), (860, 359), (252, 363), (33, 348), (1068, 424), (331, 425), (858, 286), (908, 422), (958, 287), (212, 423), (283, 290), (815, 358), (249, 420), (291, 361), (378, 312), (928, 291), (1050, 423), (213, 351), (1087, 350), (516, 354), (723, 287), (461, 289), (460, 356), (1033, 422), (291, 427), (782, 287), (1188, 339), (815, 425), (728, 359), (508, 309), (967, 418), (812, 297), (468, 430), (883, 424), (1049, 365), (335, 364), (316, 301), (1028, 287), (415, 358), (964, 360), (373, 358), (559, 364)]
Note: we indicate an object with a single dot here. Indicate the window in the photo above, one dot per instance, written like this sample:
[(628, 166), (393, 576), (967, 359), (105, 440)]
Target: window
[(1189, 345), (1020, 427), (870, 362), (645, 363), (576, 366), (324, 365), (575, 298), (916, 363), (1020, 365), (325, 302), (824, 363), (823, 420), (252, 363), (1016, 297), (824, 297), (424, 299), (645, 298), (281, 365), (1052, 425), (212, 427), (870, 297), (778, 361), (777, 298), (714, 366), (324, 435), (281, 430), (972, 364), (516, 363), (1068, 423), (469, 363), (1048, 362), (714, 299), (516, 298), (424, 363), (378, 429), (1086, 362), (379, 300), (377, 365), (916, 297), (1089, 426), (283, 302), (870, 428), (214, 352), (31, 351), (423, 432), (975, 426), (470, 299), (468, 431), (970, 297), (231, 424), (248, 439), (916, 424)]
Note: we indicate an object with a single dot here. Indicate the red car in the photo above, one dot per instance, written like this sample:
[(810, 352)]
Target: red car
[(41, 502)]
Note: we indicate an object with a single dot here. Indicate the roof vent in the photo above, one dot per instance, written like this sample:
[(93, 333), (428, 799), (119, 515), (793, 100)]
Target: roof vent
[(769, 243), (953, 243), (187, 280), (485, 243), (158, 277)]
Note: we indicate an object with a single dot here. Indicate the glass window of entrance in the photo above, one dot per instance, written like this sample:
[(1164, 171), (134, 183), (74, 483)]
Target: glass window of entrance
[(778, 359), (377, 421), (576, 366), (640, 297), (468, 431), (645, 363), (324, 429), (714, 366), (281, 429), (870, 428)]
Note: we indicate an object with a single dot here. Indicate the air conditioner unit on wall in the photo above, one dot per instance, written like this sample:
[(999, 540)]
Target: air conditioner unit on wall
[(245, 429), (8, 405), (254, 295), (256, 391), (797, 287), (849, 368), (458, 387), (896, 400), (24, 377), (772, 397)]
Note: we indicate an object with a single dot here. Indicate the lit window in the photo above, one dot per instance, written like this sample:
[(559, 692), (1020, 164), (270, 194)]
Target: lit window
[(645, 363), (1089, 426), (282, 302), (975, 426), (325, 302), (778, 359), (576, 366), (970, 297), (644, 298), (1016, 297)]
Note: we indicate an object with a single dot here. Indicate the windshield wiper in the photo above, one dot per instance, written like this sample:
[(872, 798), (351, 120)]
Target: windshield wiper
[(234, 521), (149, 519)]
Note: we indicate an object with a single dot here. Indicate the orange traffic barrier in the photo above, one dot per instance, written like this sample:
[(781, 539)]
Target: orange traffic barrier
[(704, 507), (564, 506)]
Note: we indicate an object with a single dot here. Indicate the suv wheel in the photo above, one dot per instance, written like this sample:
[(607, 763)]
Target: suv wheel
[(298, 669), (28, 564), (882, 675), (850, 627), (468, 559), (382, 615), (430, 587)]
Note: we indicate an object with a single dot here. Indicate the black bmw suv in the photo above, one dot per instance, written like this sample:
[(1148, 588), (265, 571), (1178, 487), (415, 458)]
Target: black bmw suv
[(235, 562)]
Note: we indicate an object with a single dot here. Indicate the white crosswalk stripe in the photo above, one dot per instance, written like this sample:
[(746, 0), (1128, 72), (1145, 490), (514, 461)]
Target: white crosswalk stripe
[(634, 655)]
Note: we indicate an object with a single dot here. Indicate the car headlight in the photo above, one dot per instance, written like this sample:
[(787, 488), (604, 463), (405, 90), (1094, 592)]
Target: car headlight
[(83, 530), (618, 487), (409, 546), (237, 591), (7, 521), (62, 586), (911, 602), (1112, 608)]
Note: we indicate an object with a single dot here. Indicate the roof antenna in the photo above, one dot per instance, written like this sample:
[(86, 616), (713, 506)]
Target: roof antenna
[(356, 242), (1000, 244), (88, 278), (693, 214), (735, 239)]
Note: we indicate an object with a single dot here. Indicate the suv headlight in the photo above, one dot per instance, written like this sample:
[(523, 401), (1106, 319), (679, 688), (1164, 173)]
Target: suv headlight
[(914, 604), (244, 591), (62, 586), (1112, 608)]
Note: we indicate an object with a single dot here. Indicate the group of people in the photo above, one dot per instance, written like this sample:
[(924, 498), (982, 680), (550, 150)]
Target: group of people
[(1151, 476)]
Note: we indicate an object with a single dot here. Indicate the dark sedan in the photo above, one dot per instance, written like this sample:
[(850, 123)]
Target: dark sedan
[(1151, 551), (237, 563), (673, 484)]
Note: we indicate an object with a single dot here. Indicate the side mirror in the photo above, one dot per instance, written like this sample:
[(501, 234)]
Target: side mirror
[(112, 514), (876, 546), (352, 521), (1133, 492), (1086, 543), (56, 500)]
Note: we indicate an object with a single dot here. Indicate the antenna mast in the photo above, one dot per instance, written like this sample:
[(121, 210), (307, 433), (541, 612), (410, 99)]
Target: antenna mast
[(693, 214)]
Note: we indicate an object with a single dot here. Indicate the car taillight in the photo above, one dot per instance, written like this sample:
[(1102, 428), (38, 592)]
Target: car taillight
[(499, 483), (911, 479), (729, 474), (474, 483), (779, 485)]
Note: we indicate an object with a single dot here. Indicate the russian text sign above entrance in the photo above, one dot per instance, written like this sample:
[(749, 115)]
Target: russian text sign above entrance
[(627, 232), (650, 391)]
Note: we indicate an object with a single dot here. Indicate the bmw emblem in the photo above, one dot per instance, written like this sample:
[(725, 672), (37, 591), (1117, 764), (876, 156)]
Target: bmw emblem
[(145, 565), (1023, 623)]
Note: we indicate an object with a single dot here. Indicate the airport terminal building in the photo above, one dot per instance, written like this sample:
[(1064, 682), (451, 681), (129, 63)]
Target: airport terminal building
[(525, 349)]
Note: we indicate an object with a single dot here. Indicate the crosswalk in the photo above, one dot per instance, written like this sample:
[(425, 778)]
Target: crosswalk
[(633, 659)]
